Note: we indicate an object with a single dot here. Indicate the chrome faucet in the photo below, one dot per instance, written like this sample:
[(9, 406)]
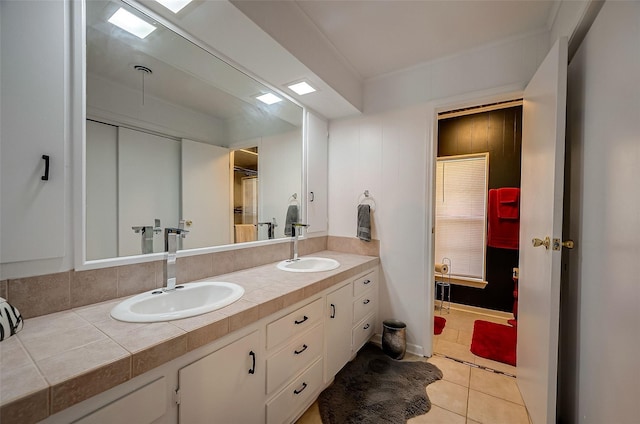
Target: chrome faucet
[(171, 247), (295, 231), (146, 235)]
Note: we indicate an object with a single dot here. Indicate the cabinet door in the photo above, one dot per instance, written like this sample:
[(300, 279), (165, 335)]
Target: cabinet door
[(34, 106), (317, 173), (226, 386), (338, 330)]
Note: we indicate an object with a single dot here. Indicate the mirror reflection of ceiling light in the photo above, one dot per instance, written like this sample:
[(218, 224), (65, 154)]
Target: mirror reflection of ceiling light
[(269, 98), (131, 23), (301, 88), (174, 5)]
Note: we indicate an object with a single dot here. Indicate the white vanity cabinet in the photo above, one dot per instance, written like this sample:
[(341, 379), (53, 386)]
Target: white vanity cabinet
[(365, 308), (226, 386), (317, 147), (338, 321), (34, 109), (294, 362)]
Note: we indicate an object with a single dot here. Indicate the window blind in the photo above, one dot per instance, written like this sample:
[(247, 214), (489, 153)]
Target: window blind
[(461, 205)]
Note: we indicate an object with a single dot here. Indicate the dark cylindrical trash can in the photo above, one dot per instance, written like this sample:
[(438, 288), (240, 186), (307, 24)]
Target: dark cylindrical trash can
[(394, 338)]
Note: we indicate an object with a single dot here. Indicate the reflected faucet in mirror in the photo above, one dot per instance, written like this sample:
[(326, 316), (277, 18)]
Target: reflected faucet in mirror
[(171, 247), (146, 235), (271, 226), (296, 230)]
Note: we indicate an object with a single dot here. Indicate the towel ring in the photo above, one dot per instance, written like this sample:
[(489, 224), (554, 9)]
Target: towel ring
[(366, 199), (293, 199)]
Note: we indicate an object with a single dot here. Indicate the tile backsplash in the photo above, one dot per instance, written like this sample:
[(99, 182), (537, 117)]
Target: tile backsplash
[(45, 294)]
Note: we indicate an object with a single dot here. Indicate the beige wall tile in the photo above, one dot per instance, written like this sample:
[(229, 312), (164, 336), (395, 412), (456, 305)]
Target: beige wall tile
[(158, 265), (488, 409), (223, 262), (3, 290), (312, 245), (83, 387), (136, 278), (45, 294), (158, 355), (29, 409), (353, 245), (192, 268), (93, 286)]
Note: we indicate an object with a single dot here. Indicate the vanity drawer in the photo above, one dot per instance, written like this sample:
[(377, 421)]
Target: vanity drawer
[(362, 332), (365, 305), (294, 323), (295, 396), (364, 283), (294, 357)]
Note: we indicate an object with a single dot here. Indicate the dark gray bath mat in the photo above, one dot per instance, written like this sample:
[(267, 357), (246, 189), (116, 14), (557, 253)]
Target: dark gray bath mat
[(374, 388)]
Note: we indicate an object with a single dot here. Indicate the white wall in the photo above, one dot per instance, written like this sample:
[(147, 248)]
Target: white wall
[(389, 151), (600, 340)]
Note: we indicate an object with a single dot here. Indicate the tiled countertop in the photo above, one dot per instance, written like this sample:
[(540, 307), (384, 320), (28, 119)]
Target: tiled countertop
[(61, 359)]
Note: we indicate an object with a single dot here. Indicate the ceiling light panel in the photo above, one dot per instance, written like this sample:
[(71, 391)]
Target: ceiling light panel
[(131, 23), (269, 98), (174, 5), (301, 88)]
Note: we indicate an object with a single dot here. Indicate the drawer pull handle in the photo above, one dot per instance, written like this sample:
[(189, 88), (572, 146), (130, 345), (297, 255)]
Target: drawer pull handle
[(366, 327), (366, 301), (333, 311), (252, 370), (45, 177), (303, 320), (297, 392), (298, 352), (365, 282)]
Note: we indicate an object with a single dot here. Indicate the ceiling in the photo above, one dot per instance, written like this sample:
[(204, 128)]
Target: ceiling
[(376, 37)]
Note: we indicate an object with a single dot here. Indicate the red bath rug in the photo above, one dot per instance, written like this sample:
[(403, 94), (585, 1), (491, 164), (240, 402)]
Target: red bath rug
[(494, 341), (438, 325)]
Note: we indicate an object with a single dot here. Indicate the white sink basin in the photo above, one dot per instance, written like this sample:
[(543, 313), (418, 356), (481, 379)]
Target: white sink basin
[(309, 264), (189, 300)]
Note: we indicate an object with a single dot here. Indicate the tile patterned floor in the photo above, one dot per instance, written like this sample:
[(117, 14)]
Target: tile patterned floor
[(466, 394)]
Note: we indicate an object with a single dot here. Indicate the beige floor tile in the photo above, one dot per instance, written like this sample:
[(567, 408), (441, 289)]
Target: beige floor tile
[(496, 385), (437, 415), (449, 334), (454, 350), (452, 371), (449, 396), (487, 409), (470, 421), (495, 365), (311, 415), (464, 337)]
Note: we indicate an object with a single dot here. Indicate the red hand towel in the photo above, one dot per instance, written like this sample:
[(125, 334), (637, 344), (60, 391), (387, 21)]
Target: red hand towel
[(509, 203), (501, 233)]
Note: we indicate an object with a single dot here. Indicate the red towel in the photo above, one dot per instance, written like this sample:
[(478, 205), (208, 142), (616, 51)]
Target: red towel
[(501, 233), (509, 203)]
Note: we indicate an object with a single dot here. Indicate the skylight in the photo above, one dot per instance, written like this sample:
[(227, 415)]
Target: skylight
[(302, 88), (131, 23), (174, 5), (269, 98)]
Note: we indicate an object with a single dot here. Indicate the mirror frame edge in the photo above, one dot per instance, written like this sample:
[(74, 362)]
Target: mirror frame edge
[(77, 132)]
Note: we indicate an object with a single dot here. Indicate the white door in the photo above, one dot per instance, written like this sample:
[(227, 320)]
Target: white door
[(543, 138), (205, 195)]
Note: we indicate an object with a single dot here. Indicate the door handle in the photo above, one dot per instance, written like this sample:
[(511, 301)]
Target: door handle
[(546, 242), (558, 244)]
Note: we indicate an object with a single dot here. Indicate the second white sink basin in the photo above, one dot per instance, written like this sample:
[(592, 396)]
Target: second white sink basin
[(309, 264), (189, 300)]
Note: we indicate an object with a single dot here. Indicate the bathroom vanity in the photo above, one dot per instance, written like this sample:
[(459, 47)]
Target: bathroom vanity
[(263, 359)]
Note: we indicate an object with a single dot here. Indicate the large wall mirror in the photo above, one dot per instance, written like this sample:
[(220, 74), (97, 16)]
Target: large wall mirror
[(175, 133)]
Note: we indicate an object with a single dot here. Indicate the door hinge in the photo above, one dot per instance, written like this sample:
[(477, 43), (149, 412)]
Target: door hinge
[(176, 397)]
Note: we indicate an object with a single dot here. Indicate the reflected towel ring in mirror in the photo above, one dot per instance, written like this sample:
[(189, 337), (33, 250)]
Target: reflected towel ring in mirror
[(366, 199)]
